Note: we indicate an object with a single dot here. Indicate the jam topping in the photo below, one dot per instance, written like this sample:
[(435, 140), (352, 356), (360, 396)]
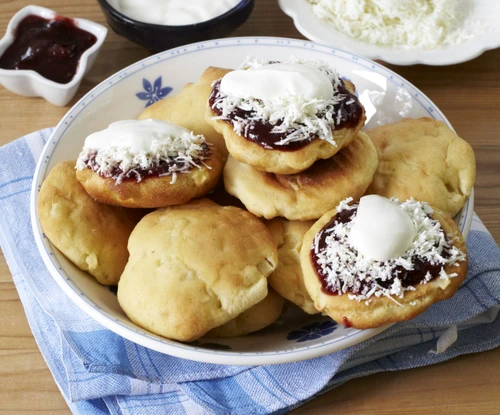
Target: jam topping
[(136, 149), (164, 167), (343, 270), (343, 111), (52, 48)]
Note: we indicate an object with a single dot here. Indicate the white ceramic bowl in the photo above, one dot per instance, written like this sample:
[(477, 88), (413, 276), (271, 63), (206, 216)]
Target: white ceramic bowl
[(313, 28), (296, 336), (30, 83)]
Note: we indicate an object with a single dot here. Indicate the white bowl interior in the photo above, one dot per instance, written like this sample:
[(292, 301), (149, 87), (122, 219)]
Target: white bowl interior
[(386, 97)]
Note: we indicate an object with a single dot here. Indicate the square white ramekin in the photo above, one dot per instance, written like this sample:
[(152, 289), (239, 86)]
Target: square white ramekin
[(30, 83)]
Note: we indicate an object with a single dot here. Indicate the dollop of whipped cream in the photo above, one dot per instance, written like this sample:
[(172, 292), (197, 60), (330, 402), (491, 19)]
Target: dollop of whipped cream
[(132, 146), (278, 81), (173, 12), (381, 229), (298, 98)]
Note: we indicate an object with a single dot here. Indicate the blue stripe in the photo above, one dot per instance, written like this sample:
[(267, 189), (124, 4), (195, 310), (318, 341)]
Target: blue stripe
[(14, 194), (486, 288), (208, 399), (42, 136), (138, 354), (433, 333), (20, 179), (393, 362), (152, 364), (160, 404), (158, 397), (475, 296), (266, 388), (280, 387), (98, 376), (158, 400)]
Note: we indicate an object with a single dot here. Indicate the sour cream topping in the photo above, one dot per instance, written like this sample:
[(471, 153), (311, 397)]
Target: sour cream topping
[(278, 81), (173, 12), (381, 230), (135, 135), (132, 146)]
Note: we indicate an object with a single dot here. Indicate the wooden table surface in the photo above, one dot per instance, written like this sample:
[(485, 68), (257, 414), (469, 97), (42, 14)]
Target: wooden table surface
[(468, 94)]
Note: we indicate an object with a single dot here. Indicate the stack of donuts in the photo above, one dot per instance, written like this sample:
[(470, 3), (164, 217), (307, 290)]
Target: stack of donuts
[(282, 141)]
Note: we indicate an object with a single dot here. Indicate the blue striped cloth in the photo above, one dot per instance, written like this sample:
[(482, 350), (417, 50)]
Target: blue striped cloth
[(99, 372)]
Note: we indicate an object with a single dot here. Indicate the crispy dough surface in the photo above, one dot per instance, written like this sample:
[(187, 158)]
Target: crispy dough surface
[(282, 162), (422, 158), (194, 267), (308, 194), (154, 191), (187, 108), (381, 310), (287, 278), (255, 318), (91, 235)]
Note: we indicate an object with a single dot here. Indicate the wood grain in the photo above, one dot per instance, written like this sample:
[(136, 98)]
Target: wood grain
[(468, 94)]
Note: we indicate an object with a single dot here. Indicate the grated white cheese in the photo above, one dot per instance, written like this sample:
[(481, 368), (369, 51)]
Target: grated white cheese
[(298, 117), (407, 24), (348, 271), (152, 147)]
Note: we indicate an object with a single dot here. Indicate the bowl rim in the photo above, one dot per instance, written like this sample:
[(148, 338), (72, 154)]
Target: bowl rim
[(158, 343), (98, 30), (118, 15)]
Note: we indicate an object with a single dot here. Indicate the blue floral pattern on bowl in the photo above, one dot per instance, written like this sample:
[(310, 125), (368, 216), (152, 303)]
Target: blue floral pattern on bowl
[(312, 331), (153, 92)]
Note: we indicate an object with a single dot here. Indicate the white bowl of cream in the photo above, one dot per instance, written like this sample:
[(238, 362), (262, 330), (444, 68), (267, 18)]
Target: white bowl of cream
[(173, 12), (163, 24)]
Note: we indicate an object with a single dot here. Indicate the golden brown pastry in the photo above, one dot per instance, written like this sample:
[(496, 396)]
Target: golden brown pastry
[(147, 164), (255, 318), (194, 267), (91, 235), (422, 158), (251, 137), (358, 291), (308, 194), (287, 278), (187, 108)]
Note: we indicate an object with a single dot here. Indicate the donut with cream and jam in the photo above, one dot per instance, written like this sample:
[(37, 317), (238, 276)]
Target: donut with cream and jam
[(382, 261), (147, 163), (282, 117)]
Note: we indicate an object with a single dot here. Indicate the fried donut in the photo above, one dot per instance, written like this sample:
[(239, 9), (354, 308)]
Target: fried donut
[(381, 292), (147, 164), (287, 278), (251, 133), (422, 158), (308, 194), (194, 267), (255, 318), (93, 236)]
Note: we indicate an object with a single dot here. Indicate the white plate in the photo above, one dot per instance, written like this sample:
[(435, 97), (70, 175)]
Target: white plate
[(387, 98), (313, 28)]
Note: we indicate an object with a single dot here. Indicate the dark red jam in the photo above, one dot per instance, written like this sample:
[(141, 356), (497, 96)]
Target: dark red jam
[(260, 133), (413, 277), (50, 47), (164, 168)]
